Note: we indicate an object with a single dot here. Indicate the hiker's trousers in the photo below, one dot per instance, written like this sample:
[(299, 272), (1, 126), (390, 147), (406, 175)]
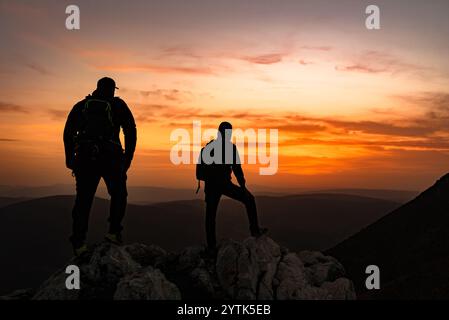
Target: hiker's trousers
[(213, 193), (87, 178)]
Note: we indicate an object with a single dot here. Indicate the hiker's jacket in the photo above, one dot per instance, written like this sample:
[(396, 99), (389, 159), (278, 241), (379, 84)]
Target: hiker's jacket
[(222, 172), (121, 118)]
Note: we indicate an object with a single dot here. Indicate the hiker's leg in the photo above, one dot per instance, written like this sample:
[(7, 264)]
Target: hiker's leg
[(86, 186), (212, 200), (243, 195), (115, 179)]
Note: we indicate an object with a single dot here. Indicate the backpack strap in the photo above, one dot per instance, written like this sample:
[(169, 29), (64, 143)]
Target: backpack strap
[(108, 108)]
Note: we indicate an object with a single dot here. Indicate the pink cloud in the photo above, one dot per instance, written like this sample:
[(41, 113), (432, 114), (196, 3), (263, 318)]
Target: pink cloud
[(271, 58)]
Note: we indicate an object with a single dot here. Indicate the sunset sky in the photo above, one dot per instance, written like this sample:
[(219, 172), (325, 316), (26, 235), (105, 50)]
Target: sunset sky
[(354, 107)]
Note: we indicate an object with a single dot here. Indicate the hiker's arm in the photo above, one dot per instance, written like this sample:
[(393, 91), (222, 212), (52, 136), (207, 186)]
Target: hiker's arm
[(69, 133), (130, 132), (238, 172), (237, 169)]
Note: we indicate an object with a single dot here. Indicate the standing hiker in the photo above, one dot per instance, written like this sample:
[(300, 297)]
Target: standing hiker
[(216, 173), (93, 151)]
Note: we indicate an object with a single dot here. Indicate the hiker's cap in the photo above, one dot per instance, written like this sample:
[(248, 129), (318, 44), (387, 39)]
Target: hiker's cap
[(106, 83)]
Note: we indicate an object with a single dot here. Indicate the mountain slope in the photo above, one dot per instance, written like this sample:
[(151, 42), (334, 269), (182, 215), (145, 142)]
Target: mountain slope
[(410, 245), (34, 234), (6, 201)]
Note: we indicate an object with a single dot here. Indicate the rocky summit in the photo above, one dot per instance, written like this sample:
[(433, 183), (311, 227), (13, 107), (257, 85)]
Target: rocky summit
[(252, 269)]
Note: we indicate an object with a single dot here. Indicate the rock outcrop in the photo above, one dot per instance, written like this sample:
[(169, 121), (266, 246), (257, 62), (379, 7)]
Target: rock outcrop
[(252, 269)]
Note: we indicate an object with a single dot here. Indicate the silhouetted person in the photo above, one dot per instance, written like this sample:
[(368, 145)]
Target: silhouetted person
[(217, 178), (93, 151)]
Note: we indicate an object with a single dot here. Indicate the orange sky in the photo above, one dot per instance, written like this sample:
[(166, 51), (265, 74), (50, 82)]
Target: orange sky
[(354, 108)]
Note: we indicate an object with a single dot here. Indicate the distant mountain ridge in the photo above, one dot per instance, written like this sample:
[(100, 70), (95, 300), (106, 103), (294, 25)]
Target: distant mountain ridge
[(151, 194)]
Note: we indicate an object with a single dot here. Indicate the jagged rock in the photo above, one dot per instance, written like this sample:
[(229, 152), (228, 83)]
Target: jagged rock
[(109, 263), (310, 258), (151, 255), (246, 270), (236, 271), (190, 258), (321, 268), (251, 269), (100, 271), (148, 284), (290, 278), (55, 289), (203, 281), (340, 289)]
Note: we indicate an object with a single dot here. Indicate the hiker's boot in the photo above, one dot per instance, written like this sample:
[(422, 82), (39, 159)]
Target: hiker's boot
[(115, 238), (81, 250), (210, 253)]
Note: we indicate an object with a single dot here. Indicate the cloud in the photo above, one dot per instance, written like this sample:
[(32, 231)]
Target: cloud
[(425, 143), (57, 114), (148, 113), (10, 107), (305, 63), (146, 119), (361, 68), (375, 62), (189, 53), (302, 128), (435, 106), (426, 128), (188, 113), (431, 100), (38, 68), (317, 48), (152, 106), (180, 50), (170, 95), (380, 128), (8, 140), (188, 70), (389, 129), (298, 124), (271, 58), (104, 53)]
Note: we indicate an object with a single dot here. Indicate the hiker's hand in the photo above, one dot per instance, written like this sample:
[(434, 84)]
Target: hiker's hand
[(69, 163), (126, 164)]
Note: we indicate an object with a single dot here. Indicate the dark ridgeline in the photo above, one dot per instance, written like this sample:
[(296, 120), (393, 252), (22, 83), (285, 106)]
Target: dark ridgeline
[(410, 246)]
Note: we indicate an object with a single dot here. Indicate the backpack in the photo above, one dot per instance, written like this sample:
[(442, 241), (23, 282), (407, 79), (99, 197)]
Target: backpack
[(97, 120), (203, 170), (96, 129)]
